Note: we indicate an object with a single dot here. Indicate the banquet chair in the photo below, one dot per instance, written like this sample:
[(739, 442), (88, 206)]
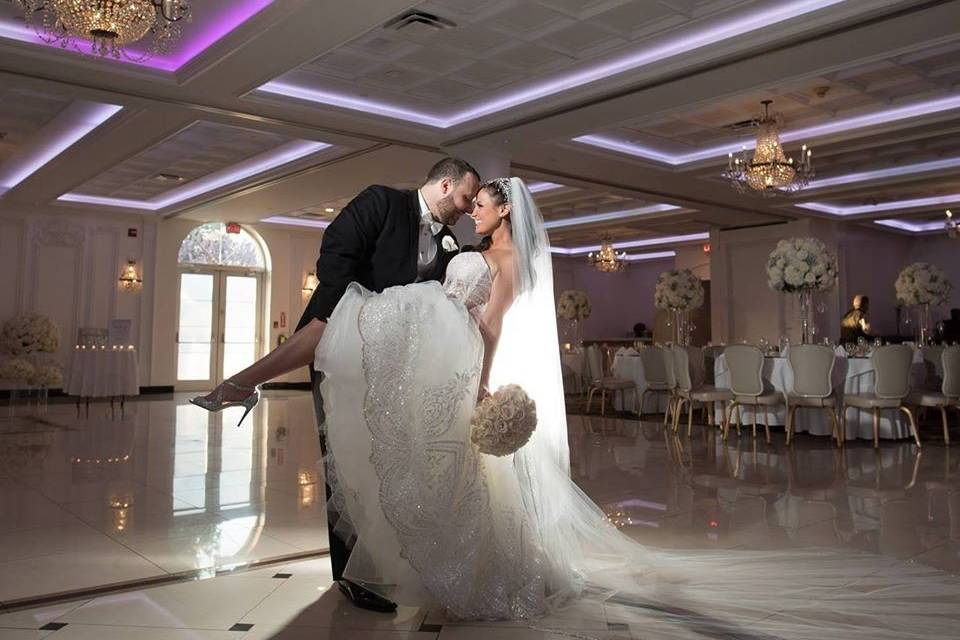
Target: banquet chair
[(710, 355), (601, 382), (745, 363), (688, 368), (932, 366), (812, 366), (891, 364), (949, 394), (658, 374)]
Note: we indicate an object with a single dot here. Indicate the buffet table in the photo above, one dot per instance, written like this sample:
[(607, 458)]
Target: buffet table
[(103, 372), (850, 375)]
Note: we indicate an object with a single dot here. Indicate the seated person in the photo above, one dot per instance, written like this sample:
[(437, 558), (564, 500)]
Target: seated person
[(640, 331), (855, 324)]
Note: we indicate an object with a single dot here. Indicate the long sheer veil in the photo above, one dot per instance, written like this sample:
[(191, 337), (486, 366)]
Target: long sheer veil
[(810, 594)]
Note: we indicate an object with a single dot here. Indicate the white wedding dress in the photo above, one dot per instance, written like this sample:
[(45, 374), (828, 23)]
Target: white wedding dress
[(514, 538)]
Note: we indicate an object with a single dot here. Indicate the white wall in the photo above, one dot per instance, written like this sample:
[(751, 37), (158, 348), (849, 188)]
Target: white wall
[(66, 265)]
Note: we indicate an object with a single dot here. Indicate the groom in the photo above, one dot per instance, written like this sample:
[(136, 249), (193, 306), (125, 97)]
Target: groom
[(381, 239)]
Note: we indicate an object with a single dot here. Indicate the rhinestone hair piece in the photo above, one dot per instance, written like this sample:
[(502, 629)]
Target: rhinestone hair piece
[(502, 187)]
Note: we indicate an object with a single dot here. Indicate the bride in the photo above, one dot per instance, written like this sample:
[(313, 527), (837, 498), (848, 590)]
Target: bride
[(513, 538)]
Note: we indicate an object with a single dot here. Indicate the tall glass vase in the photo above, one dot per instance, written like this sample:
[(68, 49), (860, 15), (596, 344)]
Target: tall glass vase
[(572, 335), (680, 327), (923, 324), (807, 328)]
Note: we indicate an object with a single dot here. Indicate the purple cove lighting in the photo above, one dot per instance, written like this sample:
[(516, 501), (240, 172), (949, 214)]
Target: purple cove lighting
[(884, 116), (297, 222), (604, 217), (239, 11), (282, 155), (658, 255), (912, 227), (695, 39), (84, 117), (877, 174), (633, 244), (853, 210), (540, 187)]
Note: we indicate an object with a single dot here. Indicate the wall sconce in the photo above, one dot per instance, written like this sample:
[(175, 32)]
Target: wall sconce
[(307, 488), (129, 278), (310, 283)]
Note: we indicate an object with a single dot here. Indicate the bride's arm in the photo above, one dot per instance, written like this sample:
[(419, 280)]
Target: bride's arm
[(491, 322)]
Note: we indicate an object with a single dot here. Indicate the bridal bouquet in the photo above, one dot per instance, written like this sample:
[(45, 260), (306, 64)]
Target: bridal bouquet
[(17, 370), (922, 283), (801, 264), (573, 304), (29, 333), (503, 422), (678, 289)]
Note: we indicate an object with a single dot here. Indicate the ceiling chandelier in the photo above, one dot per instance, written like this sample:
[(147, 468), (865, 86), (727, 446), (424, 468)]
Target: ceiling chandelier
[(105, 27), (769, 172), (607, 259), (951, 225)]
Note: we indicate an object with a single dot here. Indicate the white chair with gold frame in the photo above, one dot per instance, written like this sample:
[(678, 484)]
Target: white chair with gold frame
[(949, 393), (601, 382), (891, 365), (659, 377), (745, 363), (812, 366), (688, 368)]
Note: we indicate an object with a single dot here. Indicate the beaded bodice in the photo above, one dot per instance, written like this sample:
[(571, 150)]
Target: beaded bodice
[(468, 280)]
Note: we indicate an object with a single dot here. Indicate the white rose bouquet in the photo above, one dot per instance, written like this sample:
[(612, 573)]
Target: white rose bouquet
[(801, 264), (504, 421), (922, 283), (17, 370), (573, 304), (678, 289), (47, 376), (29, 333)]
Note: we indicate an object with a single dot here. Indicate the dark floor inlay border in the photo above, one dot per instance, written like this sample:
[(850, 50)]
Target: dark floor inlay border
[(617, 626), (283, 576), (241, 626), (53, 626), (430, 628)]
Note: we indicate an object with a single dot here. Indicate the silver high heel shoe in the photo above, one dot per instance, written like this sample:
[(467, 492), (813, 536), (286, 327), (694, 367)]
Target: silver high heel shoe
[(217, 404)]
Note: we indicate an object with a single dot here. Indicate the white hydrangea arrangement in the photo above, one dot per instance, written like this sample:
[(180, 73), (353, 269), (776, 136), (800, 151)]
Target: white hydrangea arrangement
[(923, 283), (573, 304), (678, 289), (801, 264), (29, 333), (47, 376), (17, 370), (503, 422)]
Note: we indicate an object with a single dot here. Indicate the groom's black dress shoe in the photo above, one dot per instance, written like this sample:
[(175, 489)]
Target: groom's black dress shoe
[(364, 599)]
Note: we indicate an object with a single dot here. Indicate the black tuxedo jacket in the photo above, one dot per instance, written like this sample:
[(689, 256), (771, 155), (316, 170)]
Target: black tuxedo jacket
[(372, 241)]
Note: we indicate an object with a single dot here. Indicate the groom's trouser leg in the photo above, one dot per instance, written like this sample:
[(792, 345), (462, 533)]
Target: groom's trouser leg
[(339, 549)]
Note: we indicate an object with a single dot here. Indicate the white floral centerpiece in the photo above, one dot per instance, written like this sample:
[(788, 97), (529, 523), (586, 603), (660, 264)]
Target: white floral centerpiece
[(17, 370), (29, 333), (573, 304), (801, 264), (678, 289), (47, 376), (503, 422), (923, 283)]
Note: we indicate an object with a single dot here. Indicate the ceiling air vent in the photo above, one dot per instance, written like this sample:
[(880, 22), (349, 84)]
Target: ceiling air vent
[(743, 124), (414, 18)]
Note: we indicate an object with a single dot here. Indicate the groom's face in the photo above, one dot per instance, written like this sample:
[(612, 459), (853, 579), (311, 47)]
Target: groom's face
[(456, 198)]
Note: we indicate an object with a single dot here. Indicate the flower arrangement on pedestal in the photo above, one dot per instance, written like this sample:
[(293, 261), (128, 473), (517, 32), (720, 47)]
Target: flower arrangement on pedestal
[(802, 266), (923, 285), (573, 306), (680, 292), (17, 370), (29, 333)]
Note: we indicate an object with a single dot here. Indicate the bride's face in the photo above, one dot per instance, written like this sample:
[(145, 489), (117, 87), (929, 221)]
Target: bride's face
[(487, 214)]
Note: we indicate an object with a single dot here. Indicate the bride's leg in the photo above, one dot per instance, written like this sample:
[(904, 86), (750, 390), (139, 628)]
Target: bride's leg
[(294, 353)]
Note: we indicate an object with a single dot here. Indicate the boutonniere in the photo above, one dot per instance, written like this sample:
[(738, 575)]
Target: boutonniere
[(449, 244)]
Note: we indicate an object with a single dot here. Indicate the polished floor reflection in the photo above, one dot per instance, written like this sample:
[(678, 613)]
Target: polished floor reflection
[(101, 499)]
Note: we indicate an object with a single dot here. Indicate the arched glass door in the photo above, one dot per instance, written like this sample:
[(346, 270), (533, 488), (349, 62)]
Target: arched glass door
[(220, 305)]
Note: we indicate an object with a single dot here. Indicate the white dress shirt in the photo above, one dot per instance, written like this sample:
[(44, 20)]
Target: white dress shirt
[(427, 246)]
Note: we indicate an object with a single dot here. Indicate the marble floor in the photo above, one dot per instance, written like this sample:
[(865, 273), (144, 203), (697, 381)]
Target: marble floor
[(212, 531)]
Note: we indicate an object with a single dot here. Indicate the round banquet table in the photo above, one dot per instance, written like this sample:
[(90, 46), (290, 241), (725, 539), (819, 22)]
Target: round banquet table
[(103, 373), (627, 364), (573, 366), (850, 375)]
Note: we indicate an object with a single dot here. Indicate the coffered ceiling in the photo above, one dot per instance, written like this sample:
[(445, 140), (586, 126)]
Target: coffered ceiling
[(625, 109)]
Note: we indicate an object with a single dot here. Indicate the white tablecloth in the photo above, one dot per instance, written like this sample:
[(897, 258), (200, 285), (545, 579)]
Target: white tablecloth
[(627, 364), (95, 373), (574, 371), (850, 375)]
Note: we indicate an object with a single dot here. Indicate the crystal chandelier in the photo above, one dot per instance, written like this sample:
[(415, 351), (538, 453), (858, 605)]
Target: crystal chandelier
[(106, 27), (951, 225), (769, 172), (607, 259)]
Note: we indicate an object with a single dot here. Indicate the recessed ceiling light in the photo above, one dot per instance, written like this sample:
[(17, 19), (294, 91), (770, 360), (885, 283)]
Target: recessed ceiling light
[(329, 209), (167, 178)]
